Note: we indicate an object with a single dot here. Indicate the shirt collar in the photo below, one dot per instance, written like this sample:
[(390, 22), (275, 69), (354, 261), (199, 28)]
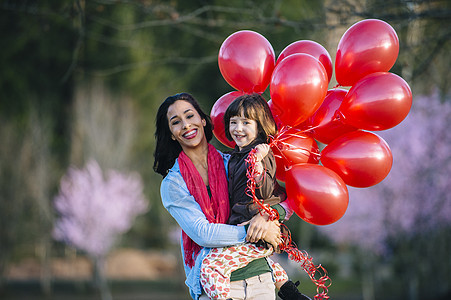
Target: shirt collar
[(249, 147)]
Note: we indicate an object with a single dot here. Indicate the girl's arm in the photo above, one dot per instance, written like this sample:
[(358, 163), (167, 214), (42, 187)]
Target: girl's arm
[(188, 214), (266, 165)]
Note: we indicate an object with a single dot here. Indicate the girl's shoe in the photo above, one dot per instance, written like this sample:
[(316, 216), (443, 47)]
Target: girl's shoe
[(289, 291)]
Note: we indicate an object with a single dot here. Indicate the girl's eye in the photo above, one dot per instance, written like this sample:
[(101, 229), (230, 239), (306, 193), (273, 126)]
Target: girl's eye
[(175, 122), (189, 116), (233, 122)]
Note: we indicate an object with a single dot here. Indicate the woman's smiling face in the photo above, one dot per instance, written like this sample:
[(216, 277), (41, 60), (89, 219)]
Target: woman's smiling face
[(185, 124)]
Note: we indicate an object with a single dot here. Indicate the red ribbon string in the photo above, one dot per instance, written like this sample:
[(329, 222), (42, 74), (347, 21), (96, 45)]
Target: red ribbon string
[(318, 274)]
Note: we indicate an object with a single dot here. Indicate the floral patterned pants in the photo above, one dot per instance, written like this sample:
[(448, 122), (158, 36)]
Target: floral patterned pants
[(221, 262)]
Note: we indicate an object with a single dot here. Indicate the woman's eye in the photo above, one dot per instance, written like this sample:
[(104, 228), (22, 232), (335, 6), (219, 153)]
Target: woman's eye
[(189, 116), (175, 122)]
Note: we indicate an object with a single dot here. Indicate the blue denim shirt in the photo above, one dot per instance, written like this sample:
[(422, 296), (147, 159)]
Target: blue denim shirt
[(188, 214)]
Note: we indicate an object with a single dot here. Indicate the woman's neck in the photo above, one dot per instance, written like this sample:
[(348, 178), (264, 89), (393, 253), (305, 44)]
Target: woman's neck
[(198, 155)]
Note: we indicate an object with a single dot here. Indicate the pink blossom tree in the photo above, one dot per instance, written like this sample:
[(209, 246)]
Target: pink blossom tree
[(408, 216), (94, 210)]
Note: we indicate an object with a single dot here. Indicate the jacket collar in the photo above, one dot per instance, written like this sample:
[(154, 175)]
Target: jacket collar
[(249, 147)]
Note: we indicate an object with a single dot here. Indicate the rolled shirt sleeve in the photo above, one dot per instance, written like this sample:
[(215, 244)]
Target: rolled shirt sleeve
[(186, 211)]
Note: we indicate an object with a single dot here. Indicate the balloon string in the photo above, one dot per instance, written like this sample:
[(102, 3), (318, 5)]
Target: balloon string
[(339, 116), (278, 141), (317, 274), (251, 174)]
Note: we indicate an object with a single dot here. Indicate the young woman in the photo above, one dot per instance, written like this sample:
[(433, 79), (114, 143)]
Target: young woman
[(194, 191), (249, 122)]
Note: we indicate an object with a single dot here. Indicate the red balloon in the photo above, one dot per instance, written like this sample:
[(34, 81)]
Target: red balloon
[(246, 60), (316, 194), (366, 47), (275, 111), (378, 101), (360, 158), (292, 147), (217, 116), (298, 87), (309, 47), (325, 124)]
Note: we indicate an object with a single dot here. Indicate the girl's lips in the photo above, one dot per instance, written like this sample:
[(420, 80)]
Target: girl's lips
[(190, 134)]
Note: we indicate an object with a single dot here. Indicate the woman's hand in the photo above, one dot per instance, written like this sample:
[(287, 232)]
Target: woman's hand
[(261, 228)]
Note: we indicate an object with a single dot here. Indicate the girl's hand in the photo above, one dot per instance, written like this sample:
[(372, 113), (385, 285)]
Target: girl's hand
[(261, 151), (261, 228)]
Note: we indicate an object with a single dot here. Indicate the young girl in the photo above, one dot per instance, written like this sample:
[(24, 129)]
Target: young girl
[(249, 122)]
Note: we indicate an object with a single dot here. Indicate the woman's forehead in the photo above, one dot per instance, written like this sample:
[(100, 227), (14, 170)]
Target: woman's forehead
[(179, 107)]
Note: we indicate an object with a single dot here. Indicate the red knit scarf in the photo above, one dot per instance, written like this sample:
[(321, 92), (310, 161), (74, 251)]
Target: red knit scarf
[(216, 209)]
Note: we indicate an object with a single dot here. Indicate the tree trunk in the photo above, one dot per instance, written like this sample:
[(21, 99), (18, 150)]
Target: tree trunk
[(413, 286), (46, 277), (99, 278), (3, 263), (366, 263)]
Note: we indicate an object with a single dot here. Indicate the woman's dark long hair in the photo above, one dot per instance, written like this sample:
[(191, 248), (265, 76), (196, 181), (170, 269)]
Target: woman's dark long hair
[(166, 149), (253, 107)]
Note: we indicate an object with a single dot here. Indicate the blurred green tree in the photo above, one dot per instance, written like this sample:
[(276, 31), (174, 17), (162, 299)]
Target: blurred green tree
[(141, 51)]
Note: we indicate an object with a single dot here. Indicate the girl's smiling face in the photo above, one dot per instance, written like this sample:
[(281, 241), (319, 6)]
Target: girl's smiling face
[(185, 124), (243, 130)]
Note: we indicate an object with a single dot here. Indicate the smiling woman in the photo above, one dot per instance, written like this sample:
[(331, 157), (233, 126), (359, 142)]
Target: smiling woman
[(168, 147), (187, 128)]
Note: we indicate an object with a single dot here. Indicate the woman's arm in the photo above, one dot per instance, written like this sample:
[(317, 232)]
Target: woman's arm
[(188, 214)]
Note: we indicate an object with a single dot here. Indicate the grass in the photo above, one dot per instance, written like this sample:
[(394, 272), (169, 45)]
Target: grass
[(78, 290)]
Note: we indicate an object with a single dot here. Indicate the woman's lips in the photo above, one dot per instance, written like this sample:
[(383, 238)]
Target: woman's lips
[(190, 134)]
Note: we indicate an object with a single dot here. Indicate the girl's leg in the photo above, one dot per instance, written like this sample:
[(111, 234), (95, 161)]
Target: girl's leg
[(221, 262), (260, 287), (238, 290), (279, 275)]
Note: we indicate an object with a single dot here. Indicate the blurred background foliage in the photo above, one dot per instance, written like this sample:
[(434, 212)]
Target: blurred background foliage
[(82, 80)]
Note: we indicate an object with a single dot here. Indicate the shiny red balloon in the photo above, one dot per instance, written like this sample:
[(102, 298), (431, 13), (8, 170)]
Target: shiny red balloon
[(246, 60), (378, 101), (325, 124), (293, 146), (360, 158), (309, 47), (275, 111), (316, 194), (217, 116), (366, 47), (298, 87)]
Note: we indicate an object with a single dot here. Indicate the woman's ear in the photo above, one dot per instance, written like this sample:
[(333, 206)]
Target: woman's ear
[(204, 123), (172, 137)]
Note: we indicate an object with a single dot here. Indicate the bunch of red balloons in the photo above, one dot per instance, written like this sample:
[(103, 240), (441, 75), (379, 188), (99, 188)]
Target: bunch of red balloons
[(306, 111)]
